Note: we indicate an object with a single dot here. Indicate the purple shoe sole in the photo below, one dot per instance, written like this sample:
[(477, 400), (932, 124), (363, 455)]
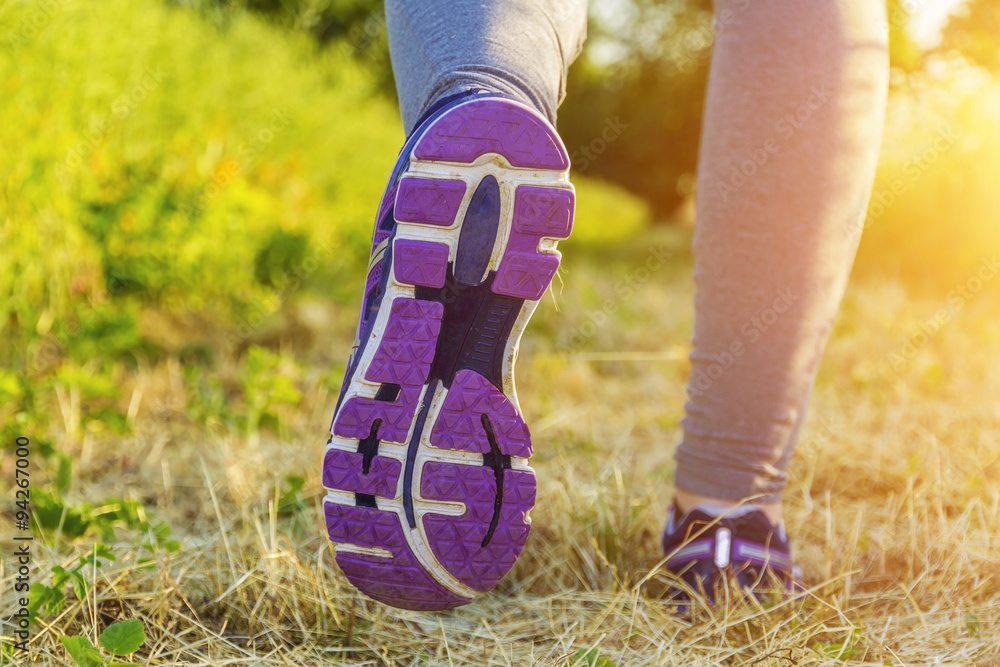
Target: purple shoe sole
[(426, 469)]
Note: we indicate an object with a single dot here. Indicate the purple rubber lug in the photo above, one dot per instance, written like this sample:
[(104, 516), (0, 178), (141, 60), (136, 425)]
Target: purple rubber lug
[(543, 211), (420, 262), (429, 201), (344, 471), (525, 275), (404, 358), (459, 424), (493, 126), (400, 580), (524, 272), (457, 541)]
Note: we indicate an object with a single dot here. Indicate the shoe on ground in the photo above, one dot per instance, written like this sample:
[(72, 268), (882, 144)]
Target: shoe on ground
[(727, 557)]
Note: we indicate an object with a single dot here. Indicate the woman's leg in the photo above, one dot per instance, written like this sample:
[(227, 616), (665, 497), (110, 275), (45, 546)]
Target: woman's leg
[(518, 47), (791, 136)]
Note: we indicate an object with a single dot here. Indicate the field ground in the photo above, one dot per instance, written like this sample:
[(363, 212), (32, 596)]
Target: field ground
[(893, 506)]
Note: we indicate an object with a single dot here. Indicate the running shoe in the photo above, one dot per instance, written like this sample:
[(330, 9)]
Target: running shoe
[(740, 553), (426, 470)]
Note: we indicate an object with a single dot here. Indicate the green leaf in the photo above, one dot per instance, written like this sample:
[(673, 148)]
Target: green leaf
[(278, 258), (64, 475), (49, 512), (56, 602), (105, 528), (839, 651), (60, 576), (50, 597), (123, 638), (10, 386), (79, 585), (6, 653), (972, 624), (82, 651), (38, 595), (102, 550), (589, 658), (290, 501)]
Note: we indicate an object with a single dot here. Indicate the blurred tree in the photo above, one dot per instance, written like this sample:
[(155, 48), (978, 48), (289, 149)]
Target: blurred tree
[(636, 94), (633, 115), (636, 98), (975, 32), (355, 25), (325, 19)]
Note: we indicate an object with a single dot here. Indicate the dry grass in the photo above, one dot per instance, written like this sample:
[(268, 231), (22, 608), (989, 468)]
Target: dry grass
[(894, 509)]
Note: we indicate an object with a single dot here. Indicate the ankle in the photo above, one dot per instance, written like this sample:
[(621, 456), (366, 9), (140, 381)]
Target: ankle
[(687, 501)]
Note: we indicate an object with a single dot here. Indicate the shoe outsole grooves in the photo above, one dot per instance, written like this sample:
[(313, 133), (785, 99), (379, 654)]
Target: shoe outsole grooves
[(426, 469)]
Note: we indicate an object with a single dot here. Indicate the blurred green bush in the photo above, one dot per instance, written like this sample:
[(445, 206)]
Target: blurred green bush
[(152, 157), (174, 178), (157, 161)]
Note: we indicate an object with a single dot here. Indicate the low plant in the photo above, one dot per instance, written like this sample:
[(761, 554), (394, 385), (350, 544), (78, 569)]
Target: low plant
[(119, 640), (52, 598)]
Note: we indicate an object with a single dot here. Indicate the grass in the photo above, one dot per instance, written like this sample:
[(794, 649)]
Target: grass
[(893, 510), (179, 298)]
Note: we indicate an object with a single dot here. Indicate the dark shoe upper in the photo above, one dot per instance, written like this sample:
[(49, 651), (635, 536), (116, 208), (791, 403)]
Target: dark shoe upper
[(742, 547)]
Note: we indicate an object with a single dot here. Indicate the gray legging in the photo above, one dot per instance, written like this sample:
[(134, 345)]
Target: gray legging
[(792, 127)]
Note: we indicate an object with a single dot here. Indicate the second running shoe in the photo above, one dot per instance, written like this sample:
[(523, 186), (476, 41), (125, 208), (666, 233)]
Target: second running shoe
[(426, 470), (738, 554)]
